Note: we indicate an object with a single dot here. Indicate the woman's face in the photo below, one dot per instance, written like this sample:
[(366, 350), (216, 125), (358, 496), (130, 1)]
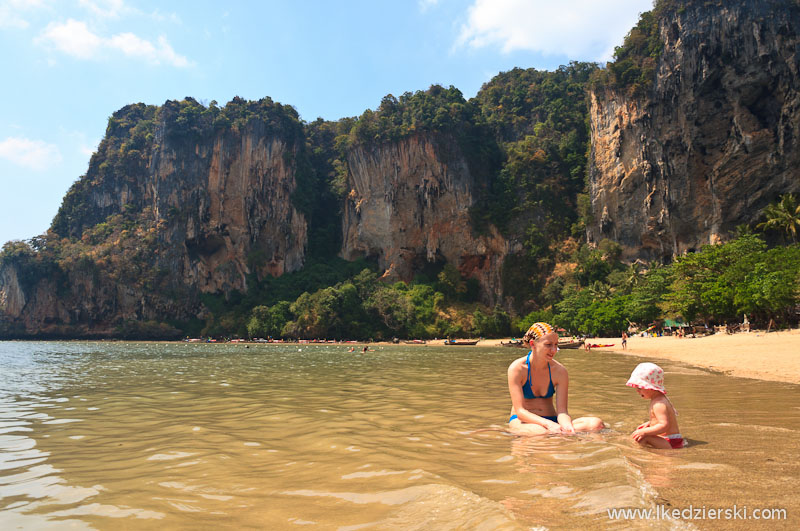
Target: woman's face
[(547, 345)]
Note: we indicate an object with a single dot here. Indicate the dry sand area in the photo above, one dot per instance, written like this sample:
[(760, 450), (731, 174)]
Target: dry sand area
[(766, 356)]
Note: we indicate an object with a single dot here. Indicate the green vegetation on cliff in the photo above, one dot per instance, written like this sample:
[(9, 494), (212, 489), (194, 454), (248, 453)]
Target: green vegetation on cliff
[(633, 67), (440, 113), (541, 122)]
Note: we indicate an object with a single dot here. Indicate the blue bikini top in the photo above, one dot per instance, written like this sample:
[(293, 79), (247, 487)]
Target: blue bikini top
[(527, 391)]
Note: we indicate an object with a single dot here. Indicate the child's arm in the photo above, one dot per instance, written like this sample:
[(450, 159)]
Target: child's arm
[(644, 425), (659, 410)]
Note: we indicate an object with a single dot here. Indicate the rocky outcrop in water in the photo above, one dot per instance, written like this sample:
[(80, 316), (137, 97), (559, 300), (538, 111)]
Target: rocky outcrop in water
[(712, 141)]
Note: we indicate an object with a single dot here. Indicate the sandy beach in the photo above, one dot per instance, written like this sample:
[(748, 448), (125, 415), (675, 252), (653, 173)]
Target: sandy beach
[(767, 356)]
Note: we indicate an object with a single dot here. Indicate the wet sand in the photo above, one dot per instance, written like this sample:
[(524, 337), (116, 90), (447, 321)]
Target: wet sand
[(771, 356)]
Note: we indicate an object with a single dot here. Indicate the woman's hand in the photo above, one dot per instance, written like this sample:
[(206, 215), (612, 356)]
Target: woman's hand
[(554, 427), (565, 422)]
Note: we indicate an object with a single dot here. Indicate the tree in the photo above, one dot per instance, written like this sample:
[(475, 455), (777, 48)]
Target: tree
[(393, 308), (269, 321), (643, 304), (450, 281), (496, 324), (783, 216), (600, 291), (704, 283), (771, 288)]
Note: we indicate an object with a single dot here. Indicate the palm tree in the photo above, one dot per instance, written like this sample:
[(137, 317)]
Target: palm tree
[(633, 275), (783, 216), (600, 291)]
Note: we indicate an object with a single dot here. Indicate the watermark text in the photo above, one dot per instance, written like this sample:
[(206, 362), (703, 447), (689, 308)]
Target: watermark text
[(661, 512)]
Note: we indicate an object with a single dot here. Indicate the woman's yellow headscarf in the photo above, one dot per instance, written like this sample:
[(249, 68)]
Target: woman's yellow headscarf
[(537, 331)]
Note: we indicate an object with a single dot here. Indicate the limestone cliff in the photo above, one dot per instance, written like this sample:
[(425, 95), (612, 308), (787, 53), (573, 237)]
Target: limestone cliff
[(408, 205), (163, 216), (712, 141), (233, 202)]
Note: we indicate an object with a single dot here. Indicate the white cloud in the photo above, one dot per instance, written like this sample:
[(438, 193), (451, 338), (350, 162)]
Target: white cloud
[(31, 154), (80, 143), (10, 19), (118, 9), (158, 16), (106, 8), (88, 150), (74, 38), (579, 29), (13, 12), (424, 5), (133, 46)]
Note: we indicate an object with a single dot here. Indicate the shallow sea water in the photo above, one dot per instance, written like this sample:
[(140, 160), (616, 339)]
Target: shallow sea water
[(105, 435)]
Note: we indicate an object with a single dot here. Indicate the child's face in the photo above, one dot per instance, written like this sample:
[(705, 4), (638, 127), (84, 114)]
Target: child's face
[(645, 393)]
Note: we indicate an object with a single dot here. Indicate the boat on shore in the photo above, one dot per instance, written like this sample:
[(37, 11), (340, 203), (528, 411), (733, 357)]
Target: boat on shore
[(415, 342), (570, 344), (561, 344), (513, 343), (461, 341)]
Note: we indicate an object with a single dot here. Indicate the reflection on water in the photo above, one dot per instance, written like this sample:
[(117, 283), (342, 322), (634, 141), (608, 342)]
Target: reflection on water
[(187, 436)]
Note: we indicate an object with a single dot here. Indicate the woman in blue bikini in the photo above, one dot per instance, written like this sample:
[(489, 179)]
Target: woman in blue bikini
[(534, 380)]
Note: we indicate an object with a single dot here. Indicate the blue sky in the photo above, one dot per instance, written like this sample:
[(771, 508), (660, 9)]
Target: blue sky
[(67, 65)]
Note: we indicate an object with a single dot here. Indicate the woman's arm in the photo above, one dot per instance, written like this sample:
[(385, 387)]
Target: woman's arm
[(561, 384), (518, 401)]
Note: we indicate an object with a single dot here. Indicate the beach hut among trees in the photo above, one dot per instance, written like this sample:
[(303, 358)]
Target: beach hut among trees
[(674, 326)]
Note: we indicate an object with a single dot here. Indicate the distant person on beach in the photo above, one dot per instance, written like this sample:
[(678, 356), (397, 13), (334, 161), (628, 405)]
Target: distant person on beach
[(534, 380), (624, 341), (661, 431)]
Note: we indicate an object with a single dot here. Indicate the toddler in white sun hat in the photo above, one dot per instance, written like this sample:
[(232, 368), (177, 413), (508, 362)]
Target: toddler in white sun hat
[(661, 431)]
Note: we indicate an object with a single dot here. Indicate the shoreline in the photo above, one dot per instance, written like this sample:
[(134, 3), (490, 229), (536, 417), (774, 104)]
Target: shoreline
[(773, 356)]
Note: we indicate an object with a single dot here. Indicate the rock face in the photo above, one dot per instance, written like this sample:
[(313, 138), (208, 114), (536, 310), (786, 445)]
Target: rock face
[(203, 215), (233, 201), (714, 140), (408, 205)]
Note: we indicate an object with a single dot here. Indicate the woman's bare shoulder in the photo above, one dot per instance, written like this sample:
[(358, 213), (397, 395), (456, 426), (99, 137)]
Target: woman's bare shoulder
[(517, 364), (557, 368)]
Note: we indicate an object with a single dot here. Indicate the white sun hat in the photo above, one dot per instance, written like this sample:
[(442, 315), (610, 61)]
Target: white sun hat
[(647, 376)]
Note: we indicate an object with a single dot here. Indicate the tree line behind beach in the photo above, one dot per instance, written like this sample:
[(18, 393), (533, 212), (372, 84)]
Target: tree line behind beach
[(599, 295)]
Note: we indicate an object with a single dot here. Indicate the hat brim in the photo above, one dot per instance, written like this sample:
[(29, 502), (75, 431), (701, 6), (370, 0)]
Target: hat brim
[(646, 386)]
